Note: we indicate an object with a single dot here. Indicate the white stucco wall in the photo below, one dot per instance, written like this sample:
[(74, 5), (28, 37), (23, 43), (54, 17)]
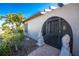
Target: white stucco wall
[(69, 12)]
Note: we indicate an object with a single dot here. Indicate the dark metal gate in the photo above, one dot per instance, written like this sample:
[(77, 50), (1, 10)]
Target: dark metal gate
[(53, 30)]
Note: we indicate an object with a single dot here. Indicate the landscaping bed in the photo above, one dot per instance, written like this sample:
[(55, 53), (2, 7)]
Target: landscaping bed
[(27, 47)]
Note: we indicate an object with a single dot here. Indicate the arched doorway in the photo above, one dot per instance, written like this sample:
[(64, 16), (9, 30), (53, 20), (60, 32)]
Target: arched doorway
[(53, 30)]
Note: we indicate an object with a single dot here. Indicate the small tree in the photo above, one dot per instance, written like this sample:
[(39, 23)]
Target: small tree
[(13, 30)]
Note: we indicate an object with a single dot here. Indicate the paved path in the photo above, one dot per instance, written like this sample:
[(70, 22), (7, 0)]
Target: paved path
[(45, 50)]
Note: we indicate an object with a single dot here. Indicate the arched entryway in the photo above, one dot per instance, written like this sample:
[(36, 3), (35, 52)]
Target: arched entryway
[(53, 30)]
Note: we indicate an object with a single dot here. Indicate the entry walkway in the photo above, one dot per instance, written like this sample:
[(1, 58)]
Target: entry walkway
[(45, 50)]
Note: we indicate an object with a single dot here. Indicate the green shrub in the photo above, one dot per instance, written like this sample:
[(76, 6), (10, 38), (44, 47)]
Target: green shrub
[(5, 49), (12, 38)]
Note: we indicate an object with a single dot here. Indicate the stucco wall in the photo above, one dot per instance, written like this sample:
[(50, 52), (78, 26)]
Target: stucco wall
[(69, 12)]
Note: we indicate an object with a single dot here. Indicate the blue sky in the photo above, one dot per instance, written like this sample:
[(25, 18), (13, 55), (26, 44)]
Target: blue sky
[(27, 9)]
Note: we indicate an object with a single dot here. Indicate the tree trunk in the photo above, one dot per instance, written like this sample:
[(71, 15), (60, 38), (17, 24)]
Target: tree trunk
[(16, 48)]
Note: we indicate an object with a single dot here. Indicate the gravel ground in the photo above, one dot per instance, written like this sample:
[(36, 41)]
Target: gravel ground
[(28, 46)]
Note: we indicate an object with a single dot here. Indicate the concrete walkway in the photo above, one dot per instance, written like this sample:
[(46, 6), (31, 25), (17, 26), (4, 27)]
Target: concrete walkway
[(45, 50)]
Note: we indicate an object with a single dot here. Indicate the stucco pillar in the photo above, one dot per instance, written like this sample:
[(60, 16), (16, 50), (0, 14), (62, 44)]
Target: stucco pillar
[(40, 40)]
